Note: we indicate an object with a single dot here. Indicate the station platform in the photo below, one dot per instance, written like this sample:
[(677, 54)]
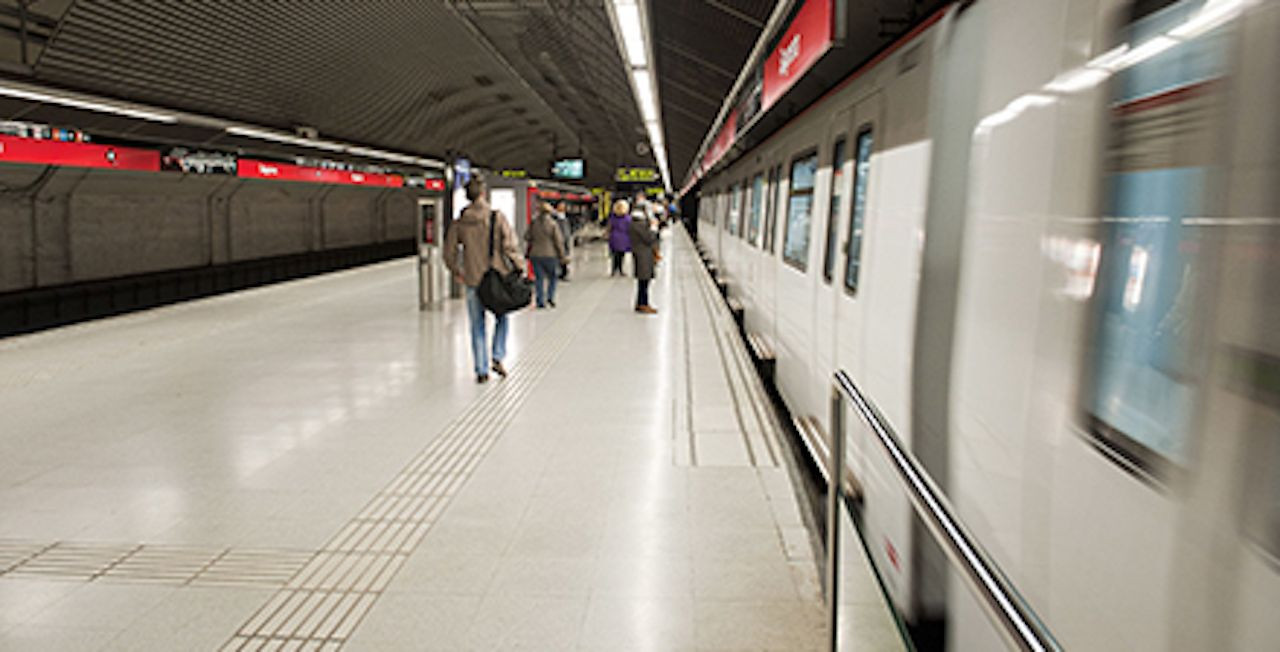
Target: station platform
[(312, 465)]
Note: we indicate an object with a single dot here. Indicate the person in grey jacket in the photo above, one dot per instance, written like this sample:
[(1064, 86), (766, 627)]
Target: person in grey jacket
[(546, 252), (466, 254), (644, 250)]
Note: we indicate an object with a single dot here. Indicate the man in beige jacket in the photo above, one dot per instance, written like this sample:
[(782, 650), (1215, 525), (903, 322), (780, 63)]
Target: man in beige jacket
[(471, 232)]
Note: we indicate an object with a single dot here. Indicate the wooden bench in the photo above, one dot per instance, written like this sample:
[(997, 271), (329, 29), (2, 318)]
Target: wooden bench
[(738, 311), (817, 442), (766, 359)]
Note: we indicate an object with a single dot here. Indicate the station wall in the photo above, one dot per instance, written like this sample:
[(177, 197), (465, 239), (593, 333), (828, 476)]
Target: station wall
[(61, 226)]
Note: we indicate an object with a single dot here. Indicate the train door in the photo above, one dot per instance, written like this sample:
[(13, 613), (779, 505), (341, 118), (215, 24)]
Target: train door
[(833, 205), (869, 331)]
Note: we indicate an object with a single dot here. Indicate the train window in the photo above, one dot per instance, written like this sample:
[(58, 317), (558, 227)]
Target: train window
[(757, 196), (735, 210), (795, 242), (861, 172), (1147, 358), (771, 225), (833, 208)]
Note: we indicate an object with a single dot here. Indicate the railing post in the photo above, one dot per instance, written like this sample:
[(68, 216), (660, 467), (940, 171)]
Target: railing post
[(835, 499)]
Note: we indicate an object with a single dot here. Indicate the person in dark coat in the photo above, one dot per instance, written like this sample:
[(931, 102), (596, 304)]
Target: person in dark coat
[(643, 234), (619, 234)]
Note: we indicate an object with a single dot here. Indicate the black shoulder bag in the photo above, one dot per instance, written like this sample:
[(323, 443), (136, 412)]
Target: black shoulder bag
[(503, 293)]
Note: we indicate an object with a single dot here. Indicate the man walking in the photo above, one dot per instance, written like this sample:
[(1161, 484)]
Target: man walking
[(471, 232)]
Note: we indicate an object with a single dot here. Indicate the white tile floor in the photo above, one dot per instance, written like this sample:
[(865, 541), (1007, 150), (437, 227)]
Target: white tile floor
[(258, 425)]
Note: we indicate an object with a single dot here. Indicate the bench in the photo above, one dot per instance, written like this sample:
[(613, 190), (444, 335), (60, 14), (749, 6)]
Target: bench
[(816, 441), (766, 359), (738, 311)]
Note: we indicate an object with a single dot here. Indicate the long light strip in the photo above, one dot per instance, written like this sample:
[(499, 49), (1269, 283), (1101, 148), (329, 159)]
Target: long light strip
[(131, 110), (636, 47), (74, 101)]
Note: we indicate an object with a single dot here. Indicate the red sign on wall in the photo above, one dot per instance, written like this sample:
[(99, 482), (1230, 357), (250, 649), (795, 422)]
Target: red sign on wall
[(724, 140), (804, 42), (14, 149), (253, 169)]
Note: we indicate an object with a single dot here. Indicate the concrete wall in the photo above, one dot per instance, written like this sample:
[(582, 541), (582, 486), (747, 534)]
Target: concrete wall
[(65, 225)]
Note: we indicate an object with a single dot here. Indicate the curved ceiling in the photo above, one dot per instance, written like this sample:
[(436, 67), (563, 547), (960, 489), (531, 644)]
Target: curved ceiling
[(510, 83)]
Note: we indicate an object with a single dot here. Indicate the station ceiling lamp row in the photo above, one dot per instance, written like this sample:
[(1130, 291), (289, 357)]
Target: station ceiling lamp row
[(45, 95), (631, 25)]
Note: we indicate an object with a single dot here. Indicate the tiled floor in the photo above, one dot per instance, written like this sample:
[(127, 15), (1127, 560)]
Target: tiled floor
[(607, 496)]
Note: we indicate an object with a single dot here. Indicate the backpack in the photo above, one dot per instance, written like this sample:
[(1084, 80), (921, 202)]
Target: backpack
[(503, 293)]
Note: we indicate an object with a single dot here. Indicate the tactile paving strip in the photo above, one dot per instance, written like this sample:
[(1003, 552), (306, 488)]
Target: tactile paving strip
[(323, 603), (154, 563)]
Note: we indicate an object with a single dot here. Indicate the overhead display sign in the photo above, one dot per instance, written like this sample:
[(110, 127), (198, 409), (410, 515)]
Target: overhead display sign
[(254, 169), (14, 149), (514, 174), (807, 38), (569, 168), (635, 175)]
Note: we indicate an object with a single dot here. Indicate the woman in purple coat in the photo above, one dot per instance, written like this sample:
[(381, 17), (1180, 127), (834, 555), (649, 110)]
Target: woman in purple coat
[(619, 234)]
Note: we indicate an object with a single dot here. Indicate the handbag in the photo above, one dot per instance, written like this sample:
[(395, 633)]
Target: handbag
[(503, 293)]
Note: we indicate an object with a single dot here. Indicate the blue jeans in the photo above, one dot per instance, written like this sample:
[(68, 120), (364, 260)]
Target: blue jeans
[(544, 273), (479, 352)]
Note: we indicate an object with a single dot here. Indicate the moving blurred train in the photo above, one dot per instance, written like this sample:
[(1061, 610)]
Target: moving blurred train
[(1043, 236)]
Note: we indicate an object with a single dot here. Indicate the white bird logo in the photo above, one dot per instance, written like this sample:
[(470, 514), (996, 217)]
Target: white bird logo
[(788, 55)]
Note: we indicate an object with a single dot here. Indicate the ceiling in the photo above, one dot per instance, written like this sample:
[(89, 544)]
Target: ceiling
[(509, 83), (700, 47)]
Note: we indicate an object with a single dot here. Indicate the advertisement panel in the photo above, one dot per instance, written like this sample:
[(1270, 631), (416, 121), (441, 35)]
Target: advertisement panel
[(807, 38), (255, 169), (14, 149)]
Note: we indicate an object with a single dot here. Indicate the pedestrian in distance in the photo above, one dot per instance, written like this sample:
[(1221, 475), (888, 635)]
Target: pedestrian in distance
[(619, 234), (644, 257), (471, 233), (547, 252), (566, 228)]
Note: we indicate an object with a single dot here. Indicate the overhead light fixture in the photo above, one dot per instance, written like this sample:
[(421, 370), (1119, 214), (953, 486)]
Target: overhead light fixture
[(278, 137), (632, 32), (644, 94), (633, 41), (89, 105)]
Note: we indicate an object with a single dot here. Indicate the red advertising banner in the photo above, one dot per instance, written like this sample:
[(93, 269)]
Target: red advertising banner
[(14, 149), (805, 41), (724, 140), (254, 169)]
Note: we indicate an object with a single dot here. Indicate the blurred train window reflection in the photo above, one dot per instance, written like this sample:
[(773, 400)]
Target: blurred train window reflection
[(735, 211), (833, 208), (861, 171), (771, 219), (795, 244), (1146, 365), (757, 196)]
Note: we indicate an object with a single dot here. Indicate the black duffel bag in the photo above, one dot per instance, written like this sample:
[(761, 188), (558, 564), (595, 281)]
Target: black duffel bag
[(503, 293)]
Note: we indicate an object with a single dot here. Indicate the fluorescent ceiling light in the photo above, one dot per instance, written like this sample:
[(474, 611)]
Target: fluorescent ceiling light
[(90, 105), (278, 137), (632, 32), (644, 95)]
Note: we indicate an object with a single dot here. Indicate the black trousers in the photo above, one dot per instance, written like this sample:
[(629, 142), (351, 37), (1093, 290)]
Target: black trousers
[(642, 292), (617, 261)]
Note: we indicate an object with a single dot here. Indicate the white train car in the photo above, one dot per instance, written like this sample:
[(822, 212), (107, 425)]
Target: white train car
[(1042, 237)]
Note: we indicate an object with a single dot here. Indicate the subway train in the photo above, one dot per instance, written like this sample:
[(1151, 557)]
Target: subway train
[(1043, 237)]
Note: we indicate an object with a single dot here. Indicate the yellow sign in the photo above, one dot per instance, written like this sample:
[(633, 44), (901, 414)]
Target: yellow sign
[(653, 191), (514, 174), (635, 175)]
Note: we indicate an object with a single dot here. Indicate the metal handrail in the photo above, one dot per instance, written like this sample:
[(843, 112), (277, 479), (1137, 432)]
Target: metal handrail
[(1015, 619)]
